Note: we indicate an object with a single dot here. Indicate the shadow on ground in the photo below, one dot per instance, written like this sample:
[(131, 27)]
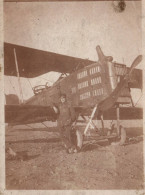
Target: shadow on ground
[(50, 140), (49, 129), (23, 155)]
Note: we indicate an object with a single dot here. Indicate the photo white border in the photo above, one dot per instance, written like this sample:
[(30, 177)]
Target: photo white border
[(2, 132)]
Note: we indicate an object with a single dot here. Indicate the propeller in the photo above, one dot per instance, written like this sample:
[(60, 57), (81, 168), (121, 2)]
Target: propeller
[(137, 60), (111, 99)]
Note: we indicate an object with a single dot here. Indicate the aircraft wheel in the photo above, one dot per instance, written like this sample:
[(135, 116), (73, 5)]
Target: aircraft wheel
[(122, 135), (79, 139)]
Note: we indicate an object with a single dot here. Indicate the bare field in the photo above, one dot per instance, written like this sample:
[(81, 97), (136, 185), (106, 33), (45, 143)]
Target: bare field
[(41, 163)]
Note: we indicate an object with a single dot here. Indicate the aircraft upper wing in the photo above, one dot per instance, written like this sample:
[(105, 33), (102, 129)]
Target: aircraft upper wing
[(33, 62)]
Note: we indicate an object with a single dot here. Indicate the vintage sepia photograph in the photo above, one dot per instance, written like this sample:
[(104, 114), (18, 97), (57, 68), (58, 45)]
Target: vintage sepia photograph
[(73, 92)]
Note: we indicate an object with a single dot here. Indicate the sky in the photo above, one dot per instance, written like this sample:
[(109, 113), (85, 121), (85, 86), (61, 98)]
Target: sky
[(74, 29)]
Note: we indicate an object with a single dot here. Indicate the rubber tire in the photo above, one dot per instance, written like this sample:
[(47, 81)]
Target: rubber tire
[(79, 138), (122, 135)]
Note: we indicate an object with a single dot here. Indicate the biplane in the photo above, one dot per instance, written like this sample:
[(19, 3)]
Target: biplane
[(98, 89)]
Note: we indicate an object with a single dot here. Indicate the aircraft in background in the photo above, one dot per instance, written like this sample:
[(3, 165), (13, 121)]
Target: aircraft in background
[(100, 90)]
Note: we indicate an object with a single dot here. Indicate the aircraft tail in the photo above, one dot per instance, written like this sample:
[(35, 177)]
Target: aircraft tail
[(101, 56)]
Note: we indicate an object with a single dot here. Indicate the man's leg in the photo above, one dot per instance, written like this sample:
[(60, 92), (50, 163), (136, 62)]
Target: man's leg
[(65, 137), (69, 135)]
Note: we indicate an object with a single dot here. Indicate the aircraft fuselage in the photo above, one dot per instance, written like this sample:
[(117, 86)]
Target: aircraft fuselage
[(85, 87)]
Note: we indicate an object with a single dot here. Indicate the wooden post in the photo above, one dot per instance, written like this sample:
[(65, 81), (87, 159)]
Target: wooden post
[(102, 121), (118, 120)]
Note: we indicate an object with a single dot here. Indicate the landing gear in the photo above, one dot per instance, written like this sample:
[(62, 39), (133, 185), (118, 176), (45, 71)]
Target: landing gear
[(122, 135), (116, 133), (102, 121), (90, 120), (121, 132), (77, 138)]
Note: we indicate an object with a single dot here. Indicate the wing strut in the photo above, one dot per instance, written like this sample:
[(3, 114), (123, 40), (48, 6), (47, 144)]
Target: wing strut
[(90, 120), (18, 75)]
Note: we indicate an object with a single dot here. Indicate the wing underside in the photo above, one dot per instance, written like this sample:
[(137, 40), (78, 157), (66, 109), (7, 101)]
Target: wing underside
[(33, 62), (25, 114), (126, 113)]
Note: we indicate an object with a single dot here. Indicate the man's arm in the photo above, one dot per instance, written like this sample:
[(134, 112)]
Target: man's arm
[(55, 109)]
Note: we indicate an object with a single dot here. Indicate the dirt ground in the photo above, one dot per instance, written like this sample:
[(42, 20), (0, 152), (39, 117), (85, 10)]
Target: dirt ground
[(41, 163)]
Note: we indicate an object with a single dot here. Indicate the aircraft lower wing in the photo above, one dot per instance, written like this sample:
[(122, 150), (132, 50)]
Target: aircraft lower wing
[(126, 113), (25, 114)]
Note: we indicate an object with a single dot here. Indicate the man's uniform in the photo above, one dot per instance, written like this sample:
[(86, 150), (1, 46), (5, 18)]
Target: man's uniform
[(66, 117)]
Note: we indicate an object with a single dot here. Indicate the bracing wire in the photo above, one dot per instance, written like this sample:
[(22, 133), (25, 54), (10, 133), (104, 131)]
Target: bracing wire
[(30, 83), (46, 79), (138, 100), (12, 86)]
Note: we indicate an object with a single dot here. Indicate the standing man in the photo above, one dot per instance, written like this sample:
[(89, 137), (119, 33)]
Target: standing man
[(65, 120)]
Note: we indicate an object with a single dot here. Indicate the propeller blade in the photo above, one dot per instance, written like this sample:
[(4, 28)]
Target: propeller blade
[(111, 99), (137, 60)]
